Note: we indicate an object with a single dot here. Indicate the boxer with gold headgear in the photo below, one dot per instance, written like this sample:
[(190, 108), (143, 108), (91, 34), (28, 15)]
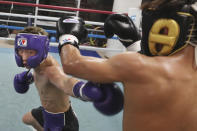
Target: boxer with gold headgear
[(167, 31), (160, 92)]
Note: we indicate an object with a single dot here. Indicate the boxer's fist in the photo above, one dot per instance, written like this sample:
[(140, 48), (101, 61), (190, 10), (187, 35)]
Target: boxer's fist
[(123, 27), (71, 30), (22, 81)]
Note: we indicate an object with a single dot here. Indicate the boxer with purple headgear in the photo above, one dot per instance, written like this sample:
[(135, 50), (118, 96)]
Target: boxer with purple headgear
[(38, 44), (55, 87), (31, 51)]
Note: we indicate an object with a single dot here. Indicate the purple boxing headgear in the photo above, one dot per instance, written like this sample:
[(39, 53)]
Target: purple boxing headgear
[(39, 43)]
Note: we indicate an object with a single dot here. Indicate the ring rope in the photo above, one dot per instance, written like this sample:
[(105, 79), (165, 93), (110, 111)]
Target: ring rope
[(52, 31), (55, 19), (56, 7), (44, 18), (51, 24), (55, 44)]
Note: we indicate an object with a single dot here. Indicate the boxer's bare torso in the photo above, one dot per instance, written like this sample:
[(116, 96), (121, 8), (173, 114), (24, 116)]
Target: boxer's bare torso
[(52, 99), (162, 94), (159, 92)]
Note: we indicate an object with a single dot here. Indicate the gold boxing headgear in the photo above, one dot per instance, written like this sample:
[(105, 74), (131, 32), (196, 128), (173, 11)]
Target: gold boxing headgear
[(167, 33)]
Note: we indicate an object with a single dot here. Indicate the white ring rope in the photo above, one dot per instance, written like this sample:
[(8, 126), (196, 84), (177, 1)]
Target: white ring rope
[(13, 21), (45, 18), (48, 23), (55, 44), (51, 21)]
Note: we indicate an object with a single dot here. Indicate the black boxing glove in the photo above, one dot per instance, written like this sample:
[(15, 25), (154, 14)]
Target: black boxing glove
[(123, 27), (71, 30)]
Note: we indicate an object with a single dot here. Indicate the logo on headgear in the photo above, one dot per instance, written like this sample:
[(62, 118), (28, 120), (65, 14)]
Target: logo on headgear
[(22, 42), (67, 40), (71, 20)]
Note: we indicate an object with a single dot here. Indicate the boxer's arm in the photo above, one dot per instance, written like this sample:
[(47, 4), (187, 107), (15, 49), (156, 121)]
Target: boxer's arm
[(61, 80), (95, 69), (107, 98)]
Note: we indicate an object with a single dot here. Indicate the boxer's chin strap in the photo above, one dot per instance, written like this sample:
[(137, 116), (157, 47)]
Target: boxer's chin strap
[(195, 55), (195, 51)]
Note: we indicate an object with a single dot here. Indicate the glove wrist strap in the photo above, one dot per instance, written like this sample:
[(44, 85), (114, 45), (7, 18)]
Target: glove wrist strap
[(30, 77), (126, 40), (78, 91), (68, 39)]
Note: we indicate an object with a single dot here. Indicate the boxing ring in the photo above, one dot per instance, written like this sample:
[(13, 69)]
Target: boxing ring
[(14, 105)]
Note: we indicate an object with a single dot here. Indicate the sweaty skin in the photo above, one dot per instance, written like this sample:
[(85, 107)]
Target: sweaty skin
[(160, 92), (52, 98)]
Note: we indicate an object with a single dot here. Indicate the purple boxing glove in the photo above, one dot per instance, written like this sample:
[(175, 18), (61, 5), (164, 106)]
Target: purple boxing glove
[(107, 98), (22, 81), (87, 91)]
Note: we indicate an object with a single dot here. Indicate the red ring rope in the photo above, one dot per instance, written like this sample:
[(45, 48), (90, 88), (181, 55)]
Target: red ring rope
[(57, 7)]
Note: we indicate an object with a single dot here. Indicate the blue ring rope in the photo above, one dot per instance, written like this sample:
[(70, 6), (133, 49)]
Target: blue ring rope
[(54, 32)]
